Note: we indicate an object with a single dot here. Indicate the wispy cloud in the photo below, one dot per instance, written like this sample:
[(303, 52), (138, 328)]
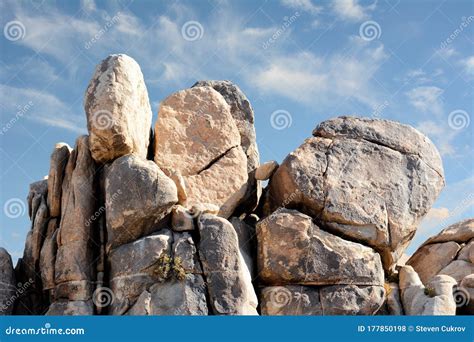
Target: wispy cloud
[(303, 5), (426, 99), (351, 10)]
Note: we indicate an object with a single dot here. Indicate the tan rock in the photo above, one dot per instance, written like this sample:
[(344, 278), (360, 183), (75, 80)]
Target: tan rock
[(458, 269), (59, 159), (266, 170), (459, 232), (467, 252), (118, 110), (293, 250), (429, 260)]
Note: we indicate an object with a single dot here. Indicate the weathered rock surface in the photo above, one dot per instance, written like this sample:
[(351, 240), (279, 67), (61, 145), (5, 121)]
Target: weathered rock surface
[(464, 295), (293, 250), (118, 110), (136, 266), (7, 283), (137, 196), (48, 255), (243, 115), (326, 300), (369, 180), (450, 252), (71, 308), (74, 265), (434, 299), (59, 159), (266, 170), (229, 283), (196, 136)]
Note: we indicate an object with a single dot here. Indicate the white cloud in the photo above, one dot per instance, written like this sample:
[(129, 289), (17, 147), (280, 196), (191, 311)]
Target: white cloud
[(426, 99), (351, 10), (42, 107), (468, 64), (441, 134), (302, 5)]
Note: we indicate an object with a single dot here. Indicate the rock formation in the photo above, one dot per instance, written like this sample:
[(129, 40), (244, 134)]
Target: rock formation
[(172, 222)]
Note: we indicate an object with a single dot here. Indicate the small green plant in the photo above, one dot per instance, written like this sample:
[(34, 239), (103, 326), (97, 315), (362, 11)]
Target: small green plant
[(430, 291), (178, 269), (163, 266)]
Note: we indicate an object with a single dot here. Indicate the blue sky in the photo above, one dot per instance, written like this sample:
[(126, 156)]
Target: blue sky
[(302, 61)]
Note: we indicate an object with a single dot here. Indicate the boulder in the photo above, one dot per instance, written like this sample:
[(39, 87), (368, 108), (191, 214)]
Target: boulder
[(182, 219), (48, 255), (71, 308), (246, 235), (136, 266), (434, 299), (59, 158), (460, 232), (37, 191), (243, 115), (464, 295), (196, 137), (137, 196), (229, 282), (118, 110), (294, 250), (266, 170), (429, 260), (366, 179), (74, 269), (7, 283), (394, 303)]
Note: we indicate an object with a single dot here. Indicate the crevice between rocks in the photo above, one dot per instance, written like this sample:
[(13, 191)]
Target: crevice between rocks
[(215, 160)]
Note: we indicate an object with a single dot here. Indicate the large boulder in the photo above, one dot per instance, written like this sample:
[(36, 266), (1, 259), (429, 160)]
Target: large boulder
[(434, 299), (74, 271), (59, 158), (7, 283), (228, 279), (197, 138), (294, 250), (368, 180), (243, 115), (118, 110), (137, 196)]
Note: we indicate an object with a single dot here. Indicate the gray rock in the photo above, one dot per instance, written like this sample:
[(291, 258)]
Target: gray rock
[(229, 283), (118, 110), (369, 180), (137, 196), (247, 243), (394, 303), (7, 283), (71, 308), (37, 191), (48, 255), (182, 219), (293, 250)]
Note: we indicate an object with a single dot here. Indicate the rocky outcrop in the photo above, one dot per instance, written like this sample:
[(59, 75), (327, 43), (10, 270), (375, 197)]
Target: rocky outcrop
[(451, 253), (368, 180), (170, 222), (118, 110)]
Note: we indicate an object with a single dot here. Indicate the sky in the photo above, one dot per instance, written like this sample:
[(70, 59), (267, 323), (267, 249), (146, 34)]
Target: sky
[(299, 62)]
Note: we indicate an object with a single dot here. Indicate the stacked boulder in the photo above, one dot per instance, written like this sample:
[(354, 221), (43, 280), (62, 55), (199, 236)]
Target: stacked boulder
[(340, 210), (450, 254), (172, 221)]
